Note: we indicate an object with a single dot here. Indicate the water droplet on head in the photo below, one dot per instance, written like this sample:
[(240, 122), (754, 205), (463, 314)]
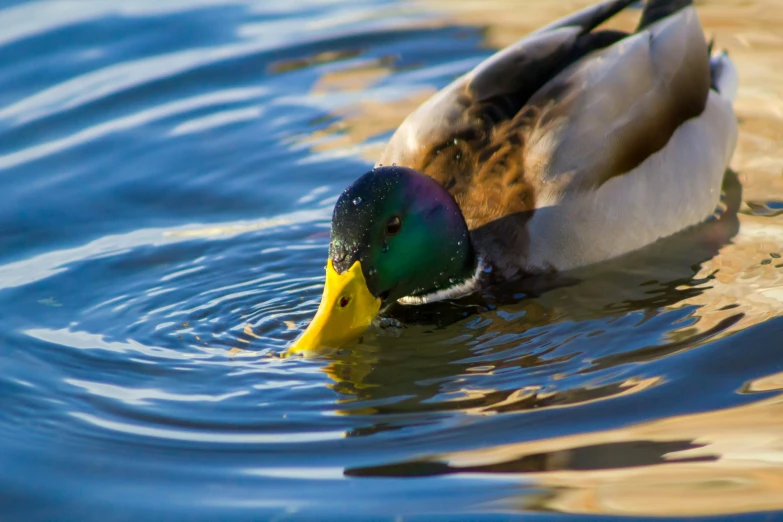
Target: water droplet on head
[(452, 280), (385, 247), (459, 243), (339, 255), (371, 271), (357, 200)]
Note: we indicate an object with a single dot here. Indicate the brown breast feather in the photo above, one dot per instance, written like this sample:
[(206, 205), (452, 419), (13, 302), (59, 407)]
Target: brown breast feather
[(481, 164)]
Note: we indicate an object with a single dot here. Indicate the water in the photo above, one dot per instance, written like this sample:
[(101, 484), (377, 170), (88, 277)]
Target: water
[(167, 172)]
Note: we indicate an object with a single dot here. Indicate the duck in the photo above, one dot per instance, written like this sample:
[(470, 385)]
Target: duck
[(573, 146)]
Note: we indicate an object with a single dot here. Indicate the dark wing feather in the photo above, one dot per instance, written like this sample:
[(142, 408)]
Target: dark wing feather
[(590, 17), (503, 82), (656, 10)]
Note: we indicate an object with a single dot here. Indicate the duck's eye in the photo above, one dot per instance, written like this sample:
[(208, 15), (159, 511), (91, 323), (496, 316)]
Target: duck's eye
[(393, 225), (344, 301)]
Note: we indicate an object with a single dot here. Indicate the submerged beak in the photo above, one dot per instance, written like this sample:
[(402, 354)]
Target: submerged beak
[(347, 309)]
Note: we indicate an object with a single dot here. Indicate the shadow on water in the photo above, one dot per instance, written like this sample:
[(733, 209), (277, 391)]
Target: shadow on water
[(627, 454)]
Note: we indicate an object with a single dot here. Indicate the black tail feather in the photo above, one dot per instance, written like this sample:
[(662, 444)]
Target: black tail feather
[(591, 17), (655, 10)]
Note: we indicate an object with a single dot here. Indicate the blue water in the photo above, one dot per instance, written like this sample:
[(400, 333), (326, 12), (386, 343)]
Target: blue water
[(166, 182)]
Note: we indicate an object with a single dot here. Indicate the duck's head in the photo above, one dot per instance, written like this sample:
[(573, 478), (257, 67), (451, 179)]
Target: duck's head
[(395, 233)]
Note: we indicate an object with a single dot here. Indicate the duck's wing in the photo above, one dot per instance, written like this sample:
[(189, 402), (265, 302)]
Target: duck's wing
[(498, 88), (631, 144), (604, 115)]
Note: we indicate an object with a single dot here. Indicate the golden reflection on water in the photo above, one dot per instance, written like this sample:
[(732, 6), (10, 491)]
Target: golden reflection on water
[(725, 461), (731, 462)]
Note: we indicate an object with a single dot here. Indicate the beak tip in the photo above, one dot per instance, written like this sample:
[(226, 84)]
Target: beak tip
[(334, 326)]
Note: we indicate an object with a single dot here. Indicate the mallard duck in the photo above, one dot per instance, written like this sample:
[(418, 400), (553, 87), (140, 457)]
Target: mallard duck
[(570, 147)]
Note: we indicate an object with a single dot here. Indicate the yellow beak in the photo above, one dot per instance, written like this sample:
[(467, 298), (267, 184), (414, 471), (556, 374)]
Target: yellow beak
[(347, 309)]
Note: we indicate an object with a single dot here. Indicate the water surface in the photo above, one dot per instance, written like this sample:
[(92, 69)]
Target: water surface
[(167, 173)]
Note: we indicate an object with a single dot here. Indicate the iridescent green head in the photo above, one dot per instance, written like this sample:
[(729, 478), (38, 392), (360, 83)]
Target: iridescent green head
[(395, 233), (405, 229)]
